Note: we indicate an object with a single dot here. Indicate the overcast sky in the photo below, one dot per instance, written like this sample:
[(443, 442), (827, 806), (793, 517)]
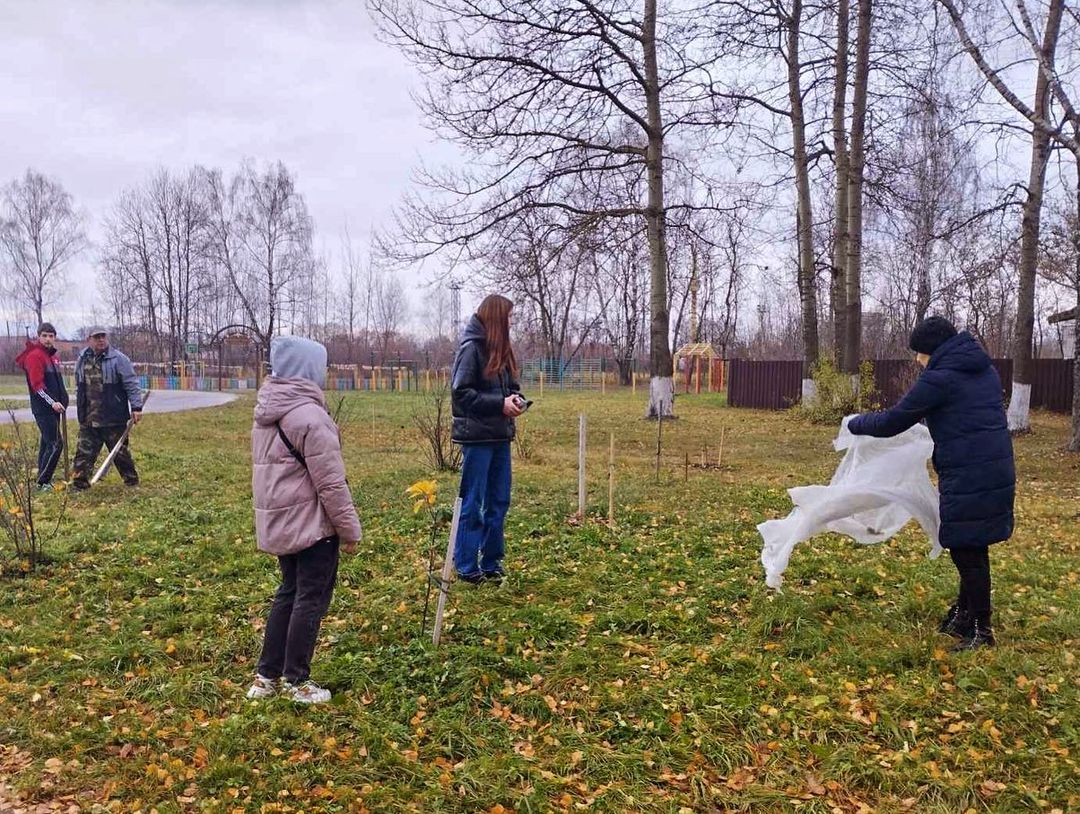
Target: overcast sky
[(100, 93)]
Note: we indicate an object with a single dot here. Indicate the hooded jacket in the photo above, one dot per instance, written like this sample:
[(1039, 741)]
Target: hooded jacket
[(959, 395), (43, 377), (476, 402), (295, 506), (120, 392)]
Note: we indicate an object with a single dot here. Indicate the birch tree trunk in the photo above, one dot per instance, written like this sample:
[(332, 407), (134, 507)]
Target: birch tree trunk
[(838, 289), (661, 386), (1020, 401), (853, 323), (804, 215), (1074, 436)]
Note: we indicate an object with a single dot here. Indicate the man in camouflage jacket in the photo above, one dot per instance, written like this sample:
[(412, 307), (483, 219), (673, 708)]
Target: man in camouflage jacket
[(107, 396)]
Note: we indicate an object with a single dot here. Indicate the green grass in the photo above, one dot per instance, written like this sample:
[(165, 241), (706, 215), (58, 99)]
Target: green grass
[(641, 668), (12, 385)]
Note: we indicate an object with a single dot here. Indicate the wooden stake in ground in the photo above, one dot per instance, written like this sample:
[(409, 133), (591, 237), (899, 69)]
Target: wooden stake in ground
[(720, 454), (67, 449), (374, 432), (686, 467), (581, 466), (444, 583), (611, 481), (659, 436), (541, 382)]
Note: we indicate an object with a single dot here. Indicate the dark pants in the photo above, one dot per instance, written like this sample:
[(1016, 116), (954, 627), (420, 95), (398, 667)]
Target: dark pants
[(52, 444), (307, 583), (91, 440), (973, 565), (485, 499)]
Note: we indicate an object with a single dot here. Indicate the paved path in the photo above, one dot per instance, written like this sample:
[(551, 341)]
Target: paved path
[(162, 401)]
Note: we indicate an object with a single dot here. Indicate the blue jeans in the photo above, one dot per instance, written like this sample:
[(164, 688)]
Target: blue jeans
[(485, 499)]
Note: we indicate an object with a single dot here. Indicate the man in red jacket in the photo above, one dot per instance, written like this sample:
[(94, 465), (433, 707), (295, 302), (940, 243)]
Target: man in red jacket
[(48, 398)]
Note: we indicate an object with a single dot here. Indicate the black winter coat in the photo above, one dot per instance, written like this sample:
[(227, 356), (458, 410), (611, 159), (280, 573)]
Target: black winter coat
[(959, 394), (476, 402)]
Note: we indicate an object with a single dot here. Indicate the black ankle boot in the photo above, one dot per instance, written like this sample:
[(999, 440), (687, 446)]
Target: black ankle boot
[(981, 635), (957, 623)]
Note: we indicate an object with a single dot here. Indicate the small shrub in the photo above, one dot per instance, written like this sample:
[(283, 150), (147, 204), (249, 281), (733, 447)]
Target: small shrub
[(434, 420), (835, 397), (524, 443), (19, 521)]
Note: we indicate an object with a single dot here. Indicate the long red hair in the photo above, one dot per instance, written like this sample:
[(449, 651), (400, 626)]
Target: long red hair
[(494, 315)]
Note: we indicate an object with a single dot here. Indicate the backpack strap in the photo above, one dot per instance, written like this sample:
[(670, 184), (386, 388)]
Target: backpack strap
[(289, 445)]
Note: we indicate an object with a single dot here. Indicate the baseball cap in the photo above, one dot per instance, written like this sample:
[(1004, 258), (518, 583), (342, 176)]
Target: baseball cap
[(95, 330)]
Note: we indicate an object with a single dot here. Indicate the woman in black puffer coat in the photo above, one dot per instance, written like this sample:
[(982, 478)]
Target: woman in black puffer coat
[(959, 395), (484, 399)]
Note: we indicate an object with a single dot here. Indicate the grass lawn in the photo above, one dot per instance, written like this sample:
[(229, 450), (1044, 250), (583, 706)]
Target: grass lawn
[(12, 385), (641, 668)]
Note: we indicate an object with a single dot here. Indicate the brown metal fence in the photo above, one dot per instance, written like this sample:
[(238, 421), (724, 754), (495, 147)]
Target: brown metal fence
[(778, 385), (764, 385)]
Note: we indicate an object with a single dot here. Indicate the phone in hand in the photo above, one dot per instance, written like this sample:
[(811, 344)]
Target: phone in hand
[(522, 402)]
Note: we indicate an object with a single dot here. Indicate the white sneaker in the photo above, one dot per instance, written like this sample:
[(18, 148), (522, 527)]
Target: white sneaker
[(262, 687), (307, 693)]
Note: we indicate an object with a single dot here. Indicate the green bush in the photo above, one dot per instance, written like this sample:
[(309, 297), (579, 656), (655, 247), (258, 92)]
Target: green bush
[(834, 396)]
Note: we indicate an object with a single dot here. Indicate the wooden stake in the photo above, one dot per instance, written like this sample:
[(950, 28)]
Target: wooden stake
[(541, 382), (603, 383), (705, 456), (720, 454), (611, 481), (686, 467), (581, 466), (633, 382), (374, 432), (659, 436), (444, 585)]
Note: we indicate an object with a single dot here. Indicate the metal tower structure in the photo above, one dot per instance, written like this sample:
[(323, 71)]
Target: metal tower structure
[(455, 307)]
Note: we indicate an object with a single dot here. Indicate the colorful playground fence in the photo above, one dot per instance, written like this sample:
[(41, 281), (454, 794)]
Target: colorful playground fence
[(536, 376)]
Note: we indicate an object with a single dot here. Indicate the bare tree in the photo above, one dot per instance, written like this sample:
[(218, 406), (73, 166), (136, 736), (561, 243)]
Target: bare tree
[(804, 221), (260, 237), (352, 300), (838, 272), (388, 309), (856, 165), (541, 261), (40, 233), (618, 270), (553, 98), (155, 260), (773, 37), (1047, 89)]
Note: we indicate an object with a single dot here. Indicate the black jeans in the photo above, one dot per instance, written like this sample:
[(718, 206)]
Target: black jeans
[(307, 583), (973, 565), (52, 445)]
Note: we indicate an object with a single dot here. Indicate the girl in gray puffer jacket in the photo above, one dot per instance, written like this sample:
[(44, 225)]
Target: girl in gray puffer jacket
[(303, 513)]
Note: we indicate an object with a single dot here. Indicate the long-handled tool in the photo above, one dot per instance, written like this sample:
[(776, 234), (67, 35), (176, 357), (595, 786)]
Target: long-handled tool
[(116, 449), (67, 450)]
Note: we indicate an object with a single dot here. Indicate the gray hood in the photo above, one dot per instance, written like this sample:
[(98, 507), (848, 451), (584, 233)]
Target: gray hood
[(474, 330), (293, 357)]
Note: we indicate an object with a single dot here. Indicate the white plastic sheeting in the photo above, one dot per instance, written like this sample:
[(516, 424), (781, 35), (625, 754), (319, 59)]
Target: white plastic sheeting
[(879, 486)]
